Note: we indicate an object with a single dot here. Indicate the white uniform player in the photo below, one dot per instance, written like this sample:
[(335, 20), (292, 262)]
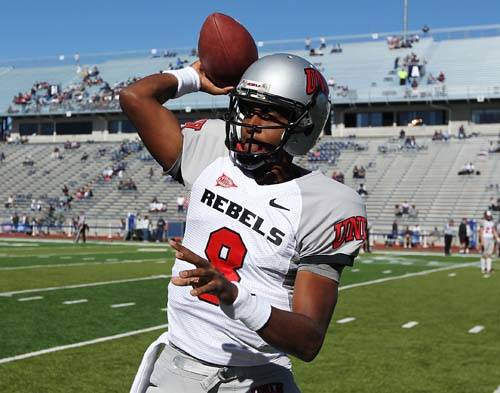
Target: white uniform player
[(260, 235), (267, 238), (487, 236)]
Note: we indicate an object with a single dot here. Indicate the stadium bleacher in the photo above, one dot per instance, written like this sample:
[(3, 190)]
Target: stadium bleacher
[(427, 178), (470, 65)]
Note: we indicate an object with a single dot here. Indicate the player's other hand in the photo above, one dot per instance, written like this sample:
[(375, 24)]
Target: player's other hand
[(205, 278), (206, 84)]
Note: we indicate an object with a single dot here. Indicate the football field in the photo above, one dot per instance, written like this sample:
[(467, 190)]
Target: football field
[(77, 318)]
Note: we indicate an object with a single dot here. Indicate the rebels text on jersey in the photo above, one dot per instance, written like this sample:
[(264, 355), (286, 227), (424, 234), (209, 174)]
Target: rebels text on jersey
[(257, 235)]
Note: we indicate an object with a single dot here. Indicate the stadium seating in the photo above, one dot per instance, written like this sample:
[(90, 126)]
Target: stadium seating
[(427, 178), (364, 67)]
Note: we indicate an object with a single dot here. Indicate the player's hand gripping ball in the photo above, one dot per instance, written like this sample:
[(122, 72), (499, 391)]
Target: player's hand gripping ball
[(226, 49)]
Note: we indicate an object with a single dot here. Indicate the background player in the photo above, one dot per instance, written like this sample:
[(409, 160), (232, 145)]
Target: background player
[(265, 240), (487, 236)]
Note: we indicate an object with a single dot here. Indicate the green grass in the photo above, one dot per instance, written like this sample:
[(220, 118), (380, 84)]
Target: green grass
[(370, 354)]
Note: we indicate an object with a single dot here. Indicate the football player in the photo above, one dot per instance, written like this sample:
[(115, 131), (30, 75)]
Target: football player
[(256, 277), (487, 236)]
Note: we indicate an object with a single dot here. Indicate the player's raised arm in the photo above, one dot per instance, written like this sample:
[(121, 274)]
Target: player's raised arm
[(157, 126)]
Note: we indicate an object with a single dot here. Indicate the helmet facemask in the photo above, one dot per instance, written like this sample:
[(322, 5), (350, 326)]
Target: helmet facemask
[(251, 154)]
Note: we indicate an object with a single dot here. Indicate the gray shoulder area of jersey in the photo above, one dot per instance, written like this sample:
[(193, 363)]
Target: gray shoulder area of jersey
[(324, 203), (201, 147)]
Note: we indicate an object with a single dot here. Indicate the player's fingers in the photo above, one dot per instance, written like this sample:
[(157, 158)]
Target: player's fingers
[(187, 255), (184, 282), (200, 272), (208, 288)]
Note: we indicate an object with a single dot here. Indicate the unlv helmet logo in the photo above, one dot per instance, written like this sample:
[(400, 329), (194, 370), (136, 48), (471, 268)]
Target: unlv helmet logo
[(315, 81)]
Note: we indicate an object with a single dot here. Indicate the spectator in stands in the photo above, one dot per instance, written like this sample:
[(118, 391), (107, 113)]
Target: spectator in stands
[(405, 207), (10, 202), (446, 135), (315, 52), (28, 161), (331, 81), (161, 225), (494, 205), (449, 231), (441, 78), (355, 172), (463, 236), (396, 63), (151, 173), (88, 193), (307, 43), (322, 43), (180, 204), (127, 185), (402, 135), (84, 157), (434, 237), (412, 212), (362, 190), (398, 212), (338, 176), (468, 169), (336, 49), (431, 79), (461, 132), (438, 135), (361, 172), (403, 75)]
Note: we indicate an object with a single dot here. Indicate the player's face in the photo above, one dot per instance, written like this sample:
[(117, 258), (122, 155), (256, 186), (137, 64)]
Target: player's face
[(262, 116)]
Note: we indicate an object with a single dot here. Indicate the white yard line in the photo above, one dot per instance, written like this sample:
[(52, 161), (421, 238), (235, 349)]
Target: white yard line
[(476, 329), (452, 274), (81, 344), (91, 284), (27, 299), (409, 325), (120, 305), (346, 320), (78, 301), (77, 264), (407, 275), (74, 254)]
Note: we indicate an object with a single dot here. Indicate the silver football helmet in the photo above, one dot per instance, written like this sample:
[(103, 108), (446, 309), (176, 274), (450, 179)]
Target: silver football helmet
[(293, 87)]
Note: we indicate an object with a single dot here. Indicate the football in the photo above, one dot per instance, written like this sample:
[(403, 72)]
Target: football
[(226, 49)]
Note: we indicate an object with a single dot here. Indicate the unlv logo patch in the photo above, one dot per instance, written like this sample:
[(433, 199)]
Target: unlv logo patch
[(195, 125), (315, 81), (352, 228), (225, 181)]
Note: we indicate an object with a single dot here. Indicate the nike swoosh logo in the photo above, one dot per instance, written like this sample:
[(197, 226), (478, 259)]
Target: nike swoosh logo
[(274, 204)]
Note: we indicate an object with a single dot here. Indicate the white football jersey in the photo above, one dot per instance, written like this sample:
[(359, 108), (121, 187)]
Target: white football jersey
[(488, 229), (258, 235)]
